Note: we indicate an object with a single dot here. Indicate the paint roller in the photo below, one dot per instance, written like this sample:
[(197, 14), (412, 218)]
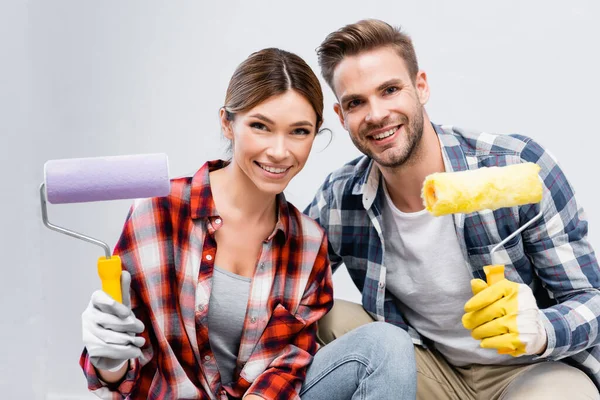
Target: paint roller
[(80, 180), (488, 188)]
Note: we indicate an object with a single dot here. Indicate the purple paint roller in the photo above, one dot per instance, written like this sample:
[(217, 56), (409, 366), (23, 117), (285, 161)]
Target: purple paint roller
[(79, 180)]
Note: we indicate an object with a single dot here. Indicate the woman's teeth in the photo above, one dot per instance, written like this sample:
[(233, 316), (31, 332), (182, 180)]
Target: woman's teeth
[(385, 134), (273, 170)]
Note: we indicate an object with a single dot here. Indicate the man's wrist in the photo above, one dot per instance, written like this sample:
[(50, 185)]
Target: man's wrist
[(542, 335), (543, 350)]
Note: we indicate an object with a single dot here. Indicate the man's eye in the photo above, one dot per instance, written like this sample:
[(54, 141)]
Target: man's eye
[(391, 90), (353, 103)]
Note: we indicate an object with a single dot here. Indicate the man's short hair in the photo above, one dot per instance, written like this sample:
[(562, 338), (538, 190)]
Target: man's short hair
[(365, 35)]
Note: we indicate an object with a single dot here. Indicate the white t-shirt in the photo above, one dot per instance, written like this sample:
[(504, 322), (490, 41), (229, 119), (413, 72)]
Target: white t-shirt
[(431, 282)]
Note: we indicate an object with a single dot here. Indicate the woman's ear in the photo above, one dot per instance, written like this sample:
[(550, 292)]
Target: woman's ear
[(225, 124)]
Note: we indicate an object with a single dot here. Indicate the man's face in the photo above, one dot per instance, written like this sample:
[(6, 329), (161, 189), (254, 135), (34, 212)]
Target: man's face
[(380, 106)]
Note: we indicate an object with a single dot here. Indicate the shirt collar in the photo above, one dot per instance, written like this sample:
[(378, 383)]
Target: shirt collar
[(368, 183), (203, 206)]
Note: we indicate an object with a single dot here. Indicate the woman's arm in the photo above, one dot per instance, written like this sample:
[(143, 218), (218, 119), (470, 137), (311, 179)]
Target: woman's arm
[(112, 377)]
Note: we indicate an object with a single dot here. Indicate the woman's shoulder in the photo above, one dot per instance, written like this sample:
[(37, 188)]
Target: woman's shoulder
[(178, 196)]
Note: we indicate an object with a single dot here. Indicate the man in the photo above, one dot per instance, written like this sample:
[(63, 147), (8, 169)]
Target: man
[(534, 334)]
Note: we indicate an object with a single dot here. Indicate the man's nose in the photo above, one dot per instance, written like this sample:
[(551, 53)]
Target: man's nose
[(377, 112)]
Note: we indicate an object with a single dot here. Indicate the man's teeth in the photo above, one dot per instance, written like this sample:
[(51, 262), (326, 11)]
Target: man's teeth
[(385, 134), (273, 170)]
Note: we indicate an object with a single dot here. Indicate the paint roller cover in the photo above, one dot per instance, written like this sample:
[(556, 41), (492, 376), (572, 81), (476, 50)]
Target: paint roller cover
[(485, 188), (79, 180)]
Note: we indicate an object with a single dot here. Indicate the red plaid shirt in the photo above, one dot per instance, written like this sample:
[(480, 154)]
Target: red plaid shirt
[(168, 246)]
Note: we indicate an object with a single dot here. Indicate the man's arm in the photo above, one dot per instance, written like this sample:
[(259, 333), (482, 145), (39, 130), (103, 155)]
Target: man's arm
[(564, 261), (320, 209)]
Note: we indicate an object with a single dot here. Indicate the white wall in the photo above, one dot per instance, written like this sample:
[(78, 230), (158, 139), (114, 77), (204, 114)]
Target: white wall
[(88, 78)]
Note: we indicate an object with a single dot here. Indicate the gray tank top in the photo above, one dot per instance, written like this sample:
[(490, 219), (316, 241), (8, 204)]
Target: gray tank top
[(226, 313)]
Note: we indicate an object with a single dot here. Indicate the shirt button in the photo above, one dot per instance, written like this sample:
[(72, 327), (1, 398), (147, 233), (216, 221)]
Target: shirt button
[(218, 221), (381, 284), (208, 257), (201, 308), (206, 358), (253, 319), (261, 266)]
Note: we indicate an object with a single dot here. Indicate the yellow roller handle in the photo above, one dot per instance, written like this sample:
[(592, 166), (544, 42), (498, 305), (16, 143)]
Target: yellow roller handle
[(493, 273), (109, 271)]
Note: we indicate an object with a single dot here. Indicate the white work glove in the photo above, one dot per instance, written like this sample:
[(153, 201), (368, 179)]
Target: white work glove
[(109, 329)]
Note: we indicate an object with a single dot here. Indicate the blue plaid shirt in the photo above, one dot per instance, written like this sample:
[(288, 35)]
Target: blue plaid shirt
[(552, 256)]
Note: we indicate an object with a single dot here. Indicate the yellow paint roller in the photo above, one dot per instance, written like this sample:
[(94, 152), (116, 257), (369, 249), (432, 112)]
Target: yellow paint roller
[(487, 188)]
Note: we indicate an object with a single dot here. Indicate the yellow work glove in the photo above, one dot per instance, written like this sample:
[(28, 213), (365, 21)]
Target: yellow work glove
[(505, 316)]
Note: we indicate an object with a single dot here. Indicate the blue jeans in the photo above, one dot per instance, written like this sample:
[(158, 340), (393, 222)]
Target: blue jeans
[(374, 361)]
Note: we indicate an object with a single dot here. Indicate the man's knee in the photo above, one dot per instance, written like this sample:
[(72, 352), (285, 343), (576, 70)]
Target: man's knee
[(551, 380), (341, 319)]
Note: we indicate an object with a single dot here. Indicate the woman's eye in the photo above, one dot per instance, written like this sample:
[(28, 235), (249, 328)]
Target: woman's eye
[(258, 125), (301, 131)]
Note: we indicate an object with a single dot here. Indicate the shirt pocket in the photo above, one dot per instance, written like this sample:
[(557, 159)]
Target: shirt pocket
[(282, 324), (280, 331), (517, 267)]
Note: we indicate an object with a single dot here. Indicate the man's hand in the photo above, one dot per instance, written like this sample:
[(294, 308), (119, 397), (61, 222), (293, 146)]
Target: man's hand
[(505, 316)]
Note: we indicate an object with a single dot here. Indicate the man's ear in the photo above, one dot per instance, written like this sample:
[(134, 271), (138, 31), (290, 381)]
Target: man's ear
[(338, 110), (422, 87), (225, 124)]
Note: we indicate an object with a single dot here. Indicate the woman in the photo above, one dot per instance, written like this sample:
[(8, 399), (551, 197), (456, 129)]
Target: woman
[(228, 279)]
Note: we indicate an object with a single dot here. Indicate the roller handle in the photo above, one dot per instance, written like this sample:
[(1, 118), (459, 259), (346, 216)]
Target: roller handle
[(109, 271), (494, 274)]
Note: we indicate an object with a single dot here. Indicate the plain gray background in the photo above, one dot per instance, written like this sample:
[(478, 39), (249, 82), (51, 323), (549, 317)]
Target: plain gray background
[(97, 78)]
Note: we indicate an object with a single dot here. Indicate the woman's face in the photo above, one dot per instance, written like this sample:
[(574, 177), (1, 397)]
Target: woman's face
[(272, 141)]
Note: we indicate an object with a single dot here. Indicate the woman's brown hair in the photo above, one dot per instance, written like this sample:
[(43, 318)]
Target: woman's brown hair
[(271, 72)]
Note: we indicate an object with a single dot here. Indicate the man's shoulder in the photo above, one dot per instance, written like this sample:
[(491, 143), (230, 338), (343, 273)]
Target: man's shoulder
[(476, 143), (349, 174), (303, 226)]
